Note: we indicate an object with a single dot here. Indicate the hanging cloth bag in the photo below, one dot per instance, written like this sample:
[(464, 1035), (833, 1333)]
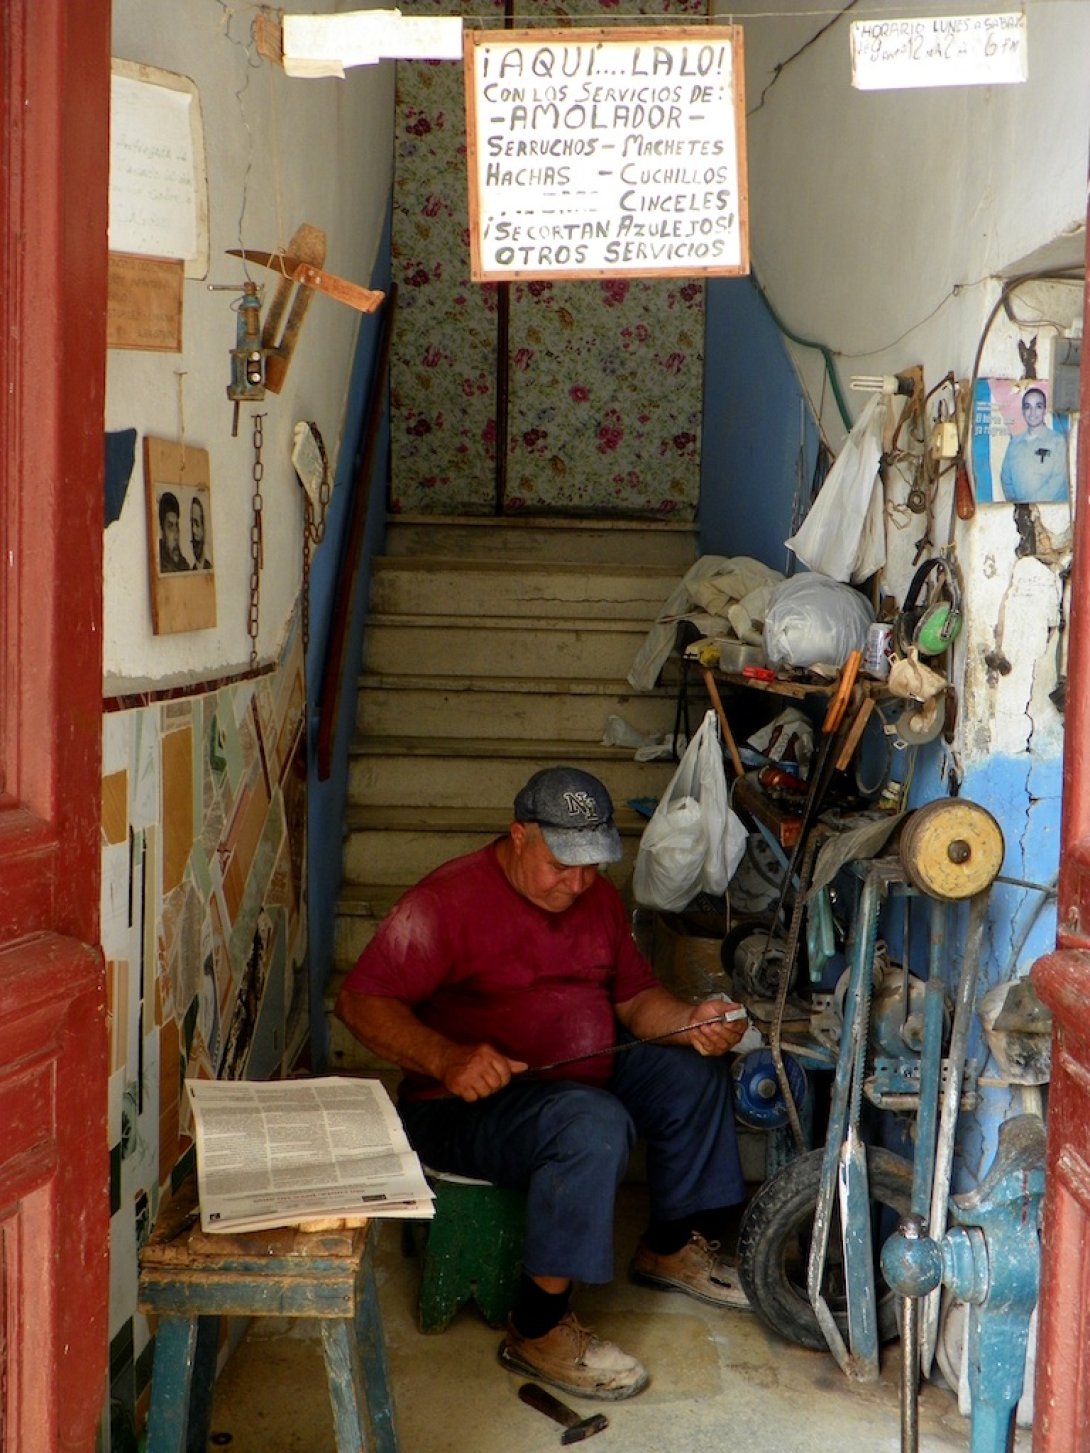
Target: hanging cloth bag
[(695, 841)]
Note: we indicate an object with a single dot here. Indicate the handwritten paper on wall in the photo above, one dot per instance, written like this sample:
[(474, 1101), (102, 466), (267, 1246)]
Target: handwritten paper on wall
[(158, 193), (941, 50), (324, 45), (598, 153)]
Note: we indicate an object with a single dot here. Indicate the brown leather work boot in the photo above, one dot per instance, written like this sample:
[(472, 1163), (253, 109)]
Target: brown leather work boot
[(695, 1270), (572, 1358)]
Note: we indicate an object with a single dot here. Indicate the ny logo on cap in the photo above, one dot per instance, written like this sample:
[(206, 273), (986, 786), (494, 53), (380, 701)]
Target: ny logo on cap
[(581, 804)]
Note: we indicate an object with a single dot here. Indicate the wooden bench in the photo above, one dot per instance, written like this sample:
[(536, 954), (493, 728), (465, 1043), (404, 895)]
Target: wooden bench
[(188, 1280)]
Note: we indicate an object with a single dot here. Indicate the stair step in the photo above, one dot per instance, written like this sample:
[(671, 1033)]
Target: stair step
[(361, 907), (666, 543), (495, 647), (391, 846), (529, 590), (441, 645), (446, 772), (508, 708)]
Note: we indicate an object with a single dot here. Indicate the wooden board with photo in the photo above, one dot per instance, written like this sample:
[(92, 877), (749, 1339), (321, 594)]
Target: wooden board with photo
[(180, 550)]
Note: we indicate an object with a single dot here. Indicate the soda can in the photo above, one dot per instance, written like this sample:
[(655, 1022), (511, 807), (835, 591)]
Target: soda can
[(876, 651)]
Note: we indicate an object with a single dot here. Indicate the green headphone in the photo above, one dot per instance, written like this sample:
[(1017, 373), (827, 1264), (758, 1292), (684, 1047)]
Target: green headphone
[(934, 625)]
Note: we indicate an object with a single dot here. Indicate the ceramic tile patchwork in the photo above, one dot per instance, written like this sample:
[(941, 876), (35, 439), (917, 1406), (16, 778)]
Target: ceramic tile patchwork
[(204, 933)]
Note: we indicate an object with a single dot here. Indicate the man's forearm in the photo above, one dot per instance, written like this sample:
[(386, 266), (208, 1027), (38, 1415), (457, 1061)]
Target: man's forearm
[(657, 1012), (654, 1011), (391, 1030)]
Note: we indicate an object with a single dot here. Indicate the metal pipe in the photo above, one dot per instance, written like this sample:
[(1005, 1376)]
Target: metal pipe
[(934, 1009), (910, 1353), (951, 1103)]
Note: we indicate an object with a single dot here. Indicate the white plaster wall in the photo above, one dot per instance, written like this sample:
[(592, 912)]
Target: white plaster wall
[(868, 208), (279, 152), (881, 224)]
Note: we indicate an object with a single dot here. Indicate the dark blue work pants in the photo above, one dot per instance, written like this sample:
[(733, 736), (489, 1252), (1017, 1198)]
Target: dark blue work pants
[(567, 1146)]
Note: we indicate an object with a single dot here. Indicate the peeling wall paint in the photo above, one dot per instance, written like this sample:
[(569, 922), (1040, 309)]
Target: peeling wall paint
[(1010, 653)]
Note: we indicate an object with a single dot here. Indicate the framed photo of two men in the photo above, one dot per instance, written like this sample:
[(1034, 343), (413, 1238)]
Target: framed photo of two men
[(1019, 447), (180, 547)]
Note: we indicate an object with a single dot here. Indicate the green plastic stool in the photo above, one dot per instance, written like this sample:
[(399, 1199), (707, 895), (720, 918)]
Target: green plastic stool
[(473, 1251)]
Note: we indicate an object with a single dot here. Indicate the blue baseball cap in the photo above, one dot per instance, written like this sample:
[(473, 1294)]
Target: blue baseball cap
[(575, 814)]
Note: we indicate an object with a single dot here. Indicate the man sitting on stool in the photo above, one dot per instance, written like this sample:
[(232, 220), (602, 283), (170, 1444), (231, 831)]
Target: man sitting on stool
[(519, 955)]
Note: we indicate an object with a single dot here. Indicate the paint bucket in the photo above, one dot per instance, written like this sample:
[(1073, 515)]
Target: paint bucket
[(877, 648)]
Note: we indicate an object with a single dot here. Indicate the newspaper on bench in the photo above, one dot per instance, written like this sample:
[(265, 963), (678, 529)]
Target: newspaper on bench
[(286, 1152)]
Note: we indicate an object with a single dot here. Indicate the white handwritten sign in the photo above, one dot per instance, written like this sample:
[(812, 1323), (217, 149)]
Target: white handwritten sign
[(158, 194), (950, 50), (604, 153)]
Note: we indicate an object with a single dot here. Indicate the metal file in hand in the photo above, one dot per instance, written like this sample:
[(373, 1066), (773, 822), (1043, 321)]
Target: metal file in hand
[(730, 1017)]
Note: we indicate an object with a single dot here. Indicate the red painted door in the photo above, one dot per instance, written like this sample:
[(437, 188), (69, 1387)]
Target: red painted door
[(54, 1203), (1062, 1394)]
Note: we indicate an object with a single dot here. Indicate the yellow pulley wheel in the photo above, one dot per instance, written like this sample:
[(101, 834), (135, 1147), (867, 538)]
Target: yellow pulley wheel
[(951, 848)]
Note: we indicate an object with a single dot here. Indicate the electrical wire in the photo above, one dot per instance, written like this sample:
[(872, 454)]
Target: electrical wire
[(822, 348)]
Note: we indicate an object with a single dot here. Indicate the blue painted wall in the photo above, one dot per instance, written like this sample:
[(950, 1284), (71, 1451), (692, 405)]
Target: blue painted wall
[(1023, 793), (751, 449), (326, 800)]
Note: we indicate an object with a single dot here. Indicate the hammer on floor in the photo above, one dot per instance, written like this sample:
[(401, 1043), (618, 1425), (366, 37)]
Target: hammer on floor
[(575, 1427)]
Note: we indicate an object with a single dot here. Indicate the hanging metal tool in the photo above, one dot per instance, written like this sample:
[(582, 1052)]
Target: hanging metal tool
[(248, 356), (301, 269)]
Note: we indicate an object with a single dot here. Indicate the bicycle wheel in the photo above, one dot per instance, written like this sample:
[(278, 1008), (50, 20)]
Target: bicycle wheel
[(774, 1246)]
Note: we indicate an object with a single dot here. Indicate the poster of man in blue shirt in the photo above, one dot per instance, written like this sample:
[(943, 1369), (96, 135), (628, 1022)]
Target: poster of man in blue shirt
[(1011, 430)]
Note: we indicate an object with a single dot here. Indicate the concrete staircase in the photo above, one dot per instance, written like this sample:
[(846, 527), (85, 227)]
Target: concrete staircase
[(493, 648)]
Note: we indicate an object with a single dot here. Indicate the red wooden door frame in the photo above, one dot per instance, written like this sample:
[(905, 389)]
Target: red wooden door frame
[(54, 1174), (1062, 1393)]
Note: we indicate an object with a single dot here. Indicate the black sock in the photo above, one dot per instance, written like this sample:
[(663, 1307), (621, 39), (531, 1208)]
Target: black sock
[(536, 1310), (666, 1237), (715, 1225)]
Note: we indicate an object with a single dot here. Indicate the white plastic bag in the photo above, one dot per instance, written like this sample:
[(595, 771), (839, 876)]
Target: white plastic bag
[(844, 533), (814, 619), (694, 841)]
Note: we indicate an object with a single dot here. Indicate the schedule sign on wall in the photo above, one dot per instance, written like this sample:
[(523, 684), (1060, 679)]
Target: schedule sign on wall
[(598, 153)]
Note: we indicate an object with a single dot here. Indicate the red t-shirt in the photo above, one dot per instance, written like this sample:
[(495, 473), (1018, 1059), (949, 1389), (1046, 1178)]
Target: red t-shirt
[(479, 963)]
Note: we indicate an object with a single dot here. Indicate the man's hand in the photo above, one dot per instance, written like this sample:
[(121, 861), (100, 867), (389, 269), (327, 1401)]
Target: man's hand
[(472, 1072), (655, 1013), (392, 1030), (715, 1039)]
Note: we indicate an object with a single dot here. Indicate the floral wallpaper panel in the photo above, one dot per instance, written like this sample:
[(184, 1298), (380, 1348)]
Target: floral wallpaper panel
[(605, 376)]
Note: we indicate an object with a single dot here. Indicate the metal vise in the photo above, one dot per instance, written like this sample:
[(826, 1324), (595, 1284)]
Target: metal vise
[(990, 1259)]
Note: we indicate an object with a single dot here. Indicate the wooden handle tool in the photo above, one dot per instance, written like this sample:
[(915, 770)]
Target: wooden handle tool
[(724, 725), (839, 704)]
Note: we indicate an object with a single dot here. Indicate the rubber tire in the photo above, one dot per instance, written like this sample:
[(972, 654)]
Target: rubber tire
[(779, 1214)]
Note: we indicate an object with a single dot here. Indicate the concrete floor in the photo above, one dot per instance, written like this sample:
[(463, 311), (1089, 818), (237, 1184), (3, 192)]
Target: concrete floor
[(718, 1379)]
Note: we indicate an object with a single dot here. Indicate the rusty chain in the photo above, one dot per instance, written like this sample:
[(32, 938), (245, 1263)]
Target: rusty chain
[(314, 528), (256, 544)]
